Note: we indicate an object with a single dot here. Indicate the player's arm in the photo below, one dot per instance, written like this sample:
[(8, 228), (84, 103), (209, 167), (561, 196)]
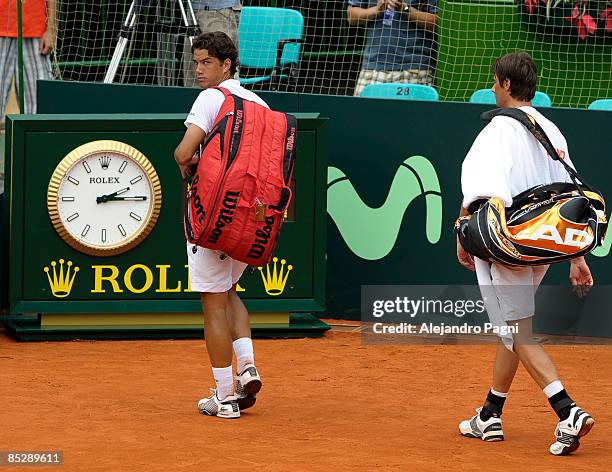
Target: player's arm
[(184, 154), (357, 15), (580, 276), (464, 257)]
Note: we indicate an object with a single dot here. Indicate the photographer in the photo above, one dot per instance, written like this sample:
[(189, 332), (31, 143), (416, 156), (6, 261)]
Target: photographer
[(401, 41)]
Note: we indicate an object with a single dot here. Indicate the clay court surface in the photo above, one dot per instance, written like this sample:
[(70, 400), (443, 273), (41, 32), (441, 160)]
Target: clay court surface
[(327, 404)]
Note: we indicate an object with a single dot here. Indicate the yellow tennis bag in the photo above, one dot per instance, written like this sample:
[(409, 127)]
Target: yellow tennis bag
[(545, 224)]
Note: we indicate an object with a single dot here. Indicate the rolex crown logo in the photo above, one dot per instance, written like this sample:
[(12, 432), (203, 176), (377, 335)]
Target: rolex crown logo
[(62, 279), (275, 283), (105, 162)]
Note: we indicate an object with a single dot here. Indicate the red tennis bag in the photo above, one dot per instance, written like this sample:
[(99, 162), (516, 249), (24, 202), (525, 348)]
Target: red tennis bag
[(238, 195)]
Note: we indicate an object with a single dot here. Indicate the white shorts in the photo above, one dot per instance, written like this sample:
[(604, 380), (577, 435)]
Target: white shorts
[(515, 288), (508, 292), (209, 273)]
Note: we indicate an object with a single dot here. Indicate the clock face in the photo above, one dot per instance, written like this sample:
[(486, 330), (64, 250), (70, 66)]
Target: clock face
[(104, 198)]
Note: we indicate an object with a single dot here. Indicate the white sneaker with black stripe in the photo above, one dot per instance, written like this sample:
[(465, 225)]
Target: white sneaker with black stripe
[(490, 430), (248, 384), (570, 430), (226, 408)]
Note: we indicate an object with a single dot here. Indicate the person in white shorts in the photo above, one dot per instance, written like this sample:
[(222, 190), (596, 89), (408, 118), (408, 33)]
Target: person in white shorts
[(504, 160), (211, 273)]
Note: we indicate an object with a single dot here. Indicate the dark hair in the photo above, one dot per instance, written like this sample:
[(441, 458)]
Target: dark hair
[(522, 72), (219, 45)]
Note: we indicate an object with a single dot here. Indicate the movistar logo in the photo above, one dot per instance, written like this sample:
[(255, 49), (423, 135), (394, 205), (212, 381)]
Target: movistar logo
[(371, 233)]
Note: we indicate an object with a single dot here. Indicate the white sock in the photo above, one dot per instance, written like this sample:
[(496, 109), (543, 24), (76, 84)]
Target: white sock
[(243, 348), (224, 379), (499, 394), (553, 388)]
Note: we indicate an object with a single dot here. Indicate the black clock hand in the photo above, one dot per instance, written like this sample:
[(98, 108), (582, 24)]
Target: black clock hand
[(138, 198), (106, 198)]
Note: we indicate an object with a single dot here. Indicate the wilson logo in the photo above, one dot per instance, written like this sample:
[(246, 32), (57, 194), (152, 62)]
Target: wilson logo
[(262, 238), (197, 204), (291, 140), (226, 215), (238, 121)]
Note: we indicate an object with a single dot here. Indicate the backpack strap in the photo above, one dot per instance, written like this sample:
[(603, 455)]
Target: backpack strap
[(223, 90), (536, 130)]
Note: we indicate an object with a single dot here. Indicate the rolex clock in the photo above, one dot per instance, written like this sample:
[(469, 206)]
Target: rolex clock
[(104, 198)]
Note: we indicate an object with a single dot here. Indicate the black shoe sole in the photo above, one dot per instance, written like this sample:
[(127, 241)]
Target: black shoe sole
[(498, 437), (253, 387), (246, 402)]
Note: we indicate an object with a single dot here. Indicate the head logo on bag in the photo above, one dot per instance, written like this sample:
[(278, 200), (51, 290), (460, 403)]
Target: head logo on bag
[(545, 224)]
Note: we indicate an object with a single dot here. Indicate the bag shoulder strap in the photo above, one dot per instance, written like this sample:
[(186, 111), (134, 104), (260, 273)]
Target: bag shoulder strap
[(536, 130), (223, 90)]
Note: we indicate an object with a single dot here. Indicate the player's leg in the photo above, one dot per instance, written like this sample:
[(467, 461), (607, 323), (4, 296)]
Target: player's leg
[(574, 422), (222, 402), (504, 368), (532, 355), (237, 317), (211, 275), (218, 337), (248, 380), (520, 306), (487, 424)]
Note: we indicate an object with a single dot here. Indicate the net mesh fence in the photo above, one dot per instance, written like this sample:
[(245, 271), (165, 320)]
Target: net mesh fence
[(570, 41)]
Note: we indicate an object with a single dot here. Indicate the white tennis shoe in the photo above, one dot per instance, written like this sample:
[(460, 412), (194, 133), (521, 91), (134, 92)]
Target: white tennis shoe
[(248, 384), (490, 430), (569, 431), (226, 408)]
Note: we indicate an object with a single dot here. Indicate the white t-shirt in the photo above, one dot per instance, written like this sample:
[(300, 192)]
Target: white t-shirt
[(206, 107), (506, 159)]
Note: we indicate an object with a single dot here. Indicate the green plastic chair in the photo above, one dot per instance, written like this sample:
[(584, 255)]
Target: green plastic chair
[(601, 104), (487, 96), (270, 40), (400, 92)]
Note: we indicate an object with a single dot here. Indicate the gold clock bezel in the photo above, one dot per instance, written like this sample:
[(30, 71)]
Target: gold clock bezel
[(87, 150)]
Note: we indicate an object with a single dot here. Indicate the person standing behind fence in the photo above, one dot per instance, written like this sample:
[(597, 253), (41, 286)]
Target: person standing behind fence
[(401, 41), (212, 15), (39, 31)]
